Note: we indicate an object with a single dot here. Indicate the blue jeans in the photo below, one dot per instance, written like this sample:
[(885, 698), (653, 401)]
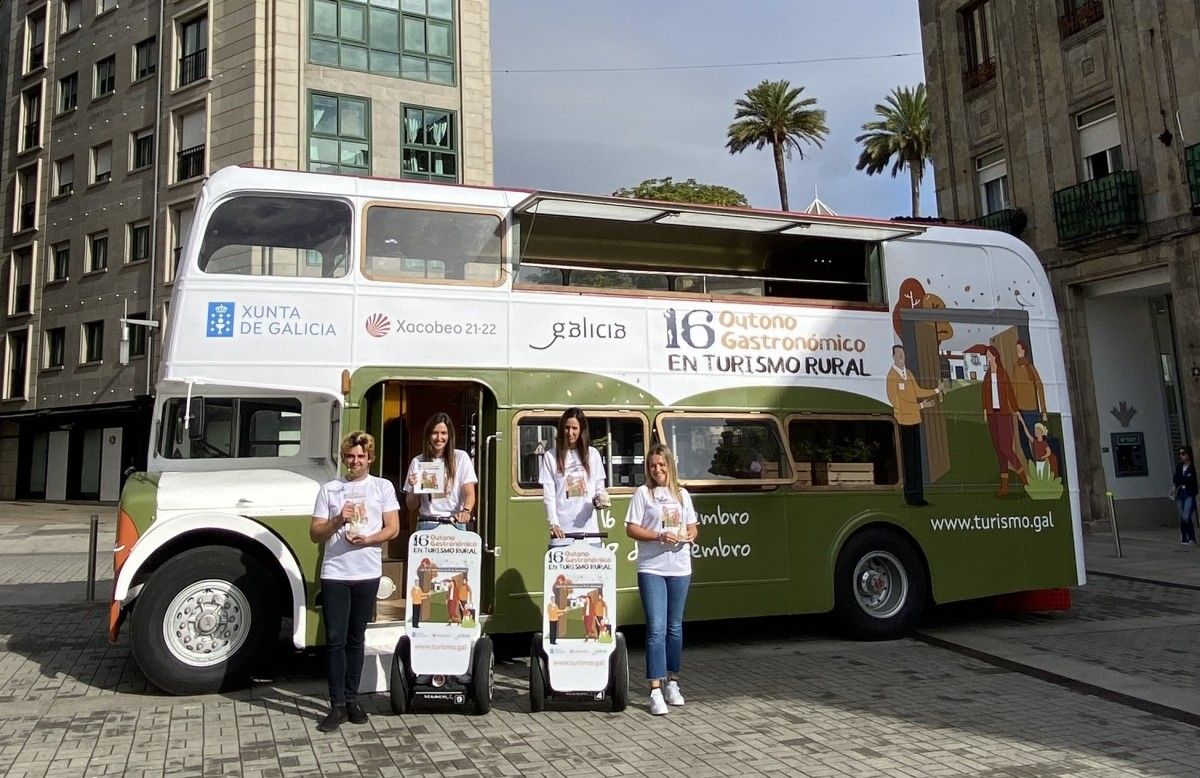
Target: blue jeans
[(424, 523), (1186, 504), (663, 598), (348, 606)]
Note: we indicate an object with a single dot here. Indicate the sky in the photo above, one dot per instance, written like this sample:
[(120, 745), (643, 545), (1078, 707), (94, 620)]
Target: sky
[(578, 125)]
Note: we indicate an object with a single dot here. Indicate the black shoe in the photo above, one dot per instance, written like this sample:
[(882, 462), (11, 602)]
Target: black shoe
[(356, 713), (917, 502), (335, 719)]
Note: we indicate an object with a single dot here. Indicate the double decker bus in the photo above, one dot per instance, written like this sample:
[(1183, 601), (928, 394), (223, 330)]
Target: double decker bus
[(871, 416)]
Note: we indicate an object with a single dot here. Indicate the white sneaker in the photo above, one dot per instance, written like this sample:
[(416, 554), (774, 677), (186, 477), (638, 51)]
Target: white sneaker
[(673, 695), (658, 706)]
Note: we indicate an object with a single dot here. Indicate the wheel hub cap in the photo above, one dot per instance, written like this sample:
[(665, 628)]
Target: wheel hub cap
[(881, 584), (206, 623)]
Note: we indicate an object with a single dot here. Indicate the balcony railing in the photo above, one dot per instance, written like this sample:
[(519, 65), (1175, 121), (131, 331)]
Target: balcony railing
[(25, 216), (1080, 17), (1191, 156), (978, 75), (1099, 208), (32, 139), (193, 67), (190, 163), (1010, 220)]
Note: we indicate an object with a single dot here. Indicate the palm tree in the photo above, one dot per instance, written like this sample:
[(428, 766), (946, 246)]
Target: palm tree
[(901, 132), (773, 112)]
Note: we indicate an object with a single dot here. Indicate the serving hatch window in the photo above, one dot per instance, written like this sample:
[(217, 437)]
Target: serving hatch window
[(621, 441), (412, 244), (849, 453), (273, 235), (718, 449)]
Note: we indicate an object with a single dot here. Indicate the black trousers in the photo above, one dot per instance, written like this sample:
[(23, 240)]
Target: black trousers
[(910, 446), (348, 606)]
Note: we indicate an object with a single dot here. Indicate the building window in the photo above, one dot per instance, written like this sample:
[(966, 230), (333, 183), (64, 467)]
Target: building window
[(35, 31), (106, 76), (31, 117), (429, 146), (138, 241), (137, 335), (979, 44), (104, 6), (60, 262), (181, 223), (54, 352), (1079, 15), (101, 163), (91, 342), (68, 93), (415, 41), (190, 137), (64, 176), (20, 281), (27, 181), (193, 45), (16, 355), (72, 16), (97, 258), (992, 171), (339, 138), (145, 58), (142, 152), (1099, 141)]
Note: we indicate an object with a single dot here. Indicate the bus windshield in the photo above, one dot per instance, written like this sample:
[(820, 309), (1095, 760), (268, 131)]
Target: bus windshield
[(269, 235)]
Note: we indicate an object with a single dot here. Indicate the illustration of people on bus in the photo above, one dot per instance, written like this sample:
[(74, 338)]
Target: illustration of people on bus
[(1044, 460), (1000, 411), (907, 398)]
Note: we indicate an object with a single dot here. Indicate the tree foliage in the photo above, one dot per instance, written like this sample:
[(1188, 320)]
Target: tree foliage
[(901, 137), (689, 191), (773, 112)]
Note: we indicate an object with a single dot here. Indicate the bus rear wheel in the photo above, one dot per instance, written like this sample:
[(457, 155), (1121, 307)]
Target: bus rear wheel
[(202, 620), (879, 585)]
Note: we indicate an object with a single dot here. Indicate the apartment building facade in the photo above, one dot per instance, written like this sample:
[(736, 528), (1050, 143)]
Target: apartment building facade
[(1074, 124), (118, 111)]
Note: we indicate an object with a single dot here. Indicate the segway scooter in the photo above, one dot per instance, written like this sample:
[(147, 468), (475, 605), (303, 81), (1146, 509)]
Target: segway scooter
[(443, 654), (579, 654)]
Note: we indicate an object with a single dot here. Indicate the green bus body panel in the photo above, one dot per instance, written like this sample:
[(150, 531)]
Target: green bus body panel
[(139, 500)]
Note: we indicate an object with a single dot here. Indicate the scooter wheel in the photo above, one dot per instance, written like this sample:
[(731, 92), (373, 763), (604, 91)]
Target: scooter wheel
[(537, 677), (399, 688), (482, 672), (618, 674)]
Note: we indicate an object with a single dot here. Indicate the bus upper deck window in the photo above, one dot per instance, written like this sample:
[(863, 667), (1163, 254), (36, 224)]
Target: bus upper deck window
[(269, 235), (410, 244)]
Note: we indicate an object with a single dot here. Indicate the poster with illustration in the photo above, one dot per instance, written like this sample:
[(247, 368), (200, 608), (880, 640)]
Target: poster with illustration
[(431, 477), (441, 617), (578, 615)]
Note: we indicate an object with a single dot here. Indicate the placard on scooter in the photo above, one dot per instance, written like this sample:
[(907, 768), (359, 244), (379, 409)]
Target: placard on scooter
[(578, 610)]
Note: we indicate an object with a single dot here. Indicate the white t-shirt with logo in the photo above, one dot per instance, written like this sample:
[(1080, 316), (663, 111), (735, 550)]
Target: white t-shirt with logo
[(451, 500), (568, 495), (658, 511), (344, 561)]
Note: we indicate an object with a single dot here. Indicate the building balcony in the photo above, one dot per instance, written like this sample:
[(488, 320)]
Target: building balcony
[(1081, 16), (190, 163), (1101, 208), (32, 137), (26, 213), (1191, 157), (193, 67), (978, 75), (1010, 220)]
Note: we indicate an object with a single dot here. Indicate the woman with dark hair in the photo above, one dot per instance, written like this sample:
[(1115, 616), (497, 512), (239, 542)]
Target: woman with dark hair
[(1185, 495), (572, 478), (1002, 414), (454, 494)]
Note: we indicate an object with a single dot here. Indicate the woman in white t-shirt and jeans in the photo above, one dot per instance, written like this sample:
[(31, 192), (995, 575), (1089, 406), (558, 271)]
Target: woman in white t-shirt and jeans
[(662, 520), (457, 499), (572, 478), (353, 516)]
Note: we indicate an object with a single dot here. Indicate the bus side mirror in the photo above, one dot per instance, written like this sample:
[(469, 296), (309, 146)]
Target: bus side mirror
[(195, 426)]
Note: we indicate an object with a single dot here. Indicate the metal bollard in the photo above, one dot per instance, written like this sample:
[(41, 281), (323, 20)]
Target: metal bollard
[(93, 534), (1112, 517)]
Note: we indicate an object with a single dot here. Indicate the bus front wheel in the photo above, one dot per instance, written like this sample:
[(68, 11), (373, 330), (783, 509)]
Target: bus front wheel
[(879, 585), (202, 620)]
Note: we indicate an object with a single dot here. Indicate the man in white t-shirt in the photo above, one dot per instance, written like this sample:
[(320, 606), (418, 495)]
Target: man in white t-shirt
[(353, 516)]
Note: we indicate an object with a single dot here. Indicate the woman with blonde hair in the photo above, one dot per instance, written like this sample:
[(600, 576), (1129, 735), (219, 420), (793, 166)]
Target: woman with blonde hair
[(662, 521)]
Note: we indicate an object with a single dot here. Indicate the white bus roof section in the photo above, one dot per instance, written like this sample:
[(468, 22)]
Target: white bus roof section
[(688, 215)]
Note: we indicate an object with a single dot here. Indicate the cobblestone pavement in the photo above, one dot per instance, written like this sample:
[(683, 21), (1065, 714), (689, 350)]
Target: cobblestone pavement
[(778, 696)]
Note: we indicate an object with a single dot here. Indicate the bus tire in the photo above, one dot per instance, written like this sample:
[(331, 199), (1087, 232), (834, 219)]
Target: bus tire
[(879, 585), (203, 619)]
